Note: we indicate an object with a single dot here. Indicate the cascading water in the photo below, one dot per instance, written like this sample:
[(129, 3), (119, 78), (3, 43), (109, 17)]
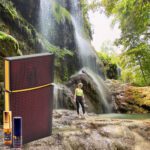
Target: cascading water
[(87, 54), (45, 17), (58, 92), (85, 51), (55, 105), (101, 88)]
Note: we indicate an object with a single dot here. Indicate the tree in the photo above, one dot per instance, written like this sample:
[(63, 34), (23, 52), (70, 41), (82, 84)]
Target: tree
[(133, 16)]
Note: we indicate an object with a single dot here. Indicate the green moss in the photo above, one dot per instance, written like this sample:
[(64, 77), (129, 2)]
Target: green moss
[(9, 6), (18, 23), (60, 13), (138, 99), (8, 45), (59, 53), (61, 71)]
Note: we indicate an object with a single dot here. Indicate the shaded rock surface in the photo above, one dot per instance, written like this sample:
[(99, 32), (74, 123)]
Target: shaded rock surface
[(63, 97)]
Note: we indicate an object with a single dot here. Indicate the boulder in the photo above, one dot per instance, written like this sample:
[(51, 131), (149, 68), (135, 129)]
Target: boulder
[(97, 96)]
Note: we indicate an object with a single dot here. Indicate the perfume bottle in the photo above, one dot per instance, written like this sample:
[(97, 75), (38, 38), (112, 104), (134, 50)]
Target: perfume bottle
[(7, 127), (17, 132)]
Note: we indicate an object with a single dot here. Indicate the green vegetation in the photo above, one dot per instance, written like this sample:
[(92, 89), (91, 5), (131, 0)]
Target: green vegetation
[(110, 65), (60, 13), (61, 71), (8, 45), (133, 16), (16, 24), (138, 99), (87, 25)]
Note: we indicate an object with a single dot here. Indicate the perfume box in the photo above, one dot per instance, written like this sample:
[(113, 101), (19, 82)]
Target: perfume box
[(29, 93)]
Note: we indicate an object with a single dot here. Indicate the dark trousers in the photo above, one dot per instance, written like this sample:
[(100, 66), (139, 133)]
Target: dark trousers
[(79, 101)]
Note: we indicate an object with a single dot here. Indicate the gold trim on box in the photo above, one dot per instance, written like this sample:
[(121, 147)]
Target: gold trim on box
[(6, 101), (7, 75), (30, 89)]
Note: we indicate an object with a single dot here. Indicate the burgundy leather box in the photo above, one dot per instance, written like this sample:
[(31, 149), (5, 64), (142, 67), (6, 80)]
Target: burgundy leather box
[(30, 93)]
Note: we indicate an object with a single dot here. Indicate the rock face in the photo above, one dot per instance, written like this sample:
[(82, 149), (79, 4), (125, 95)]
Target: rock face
[(94, 133), (9, 47), (129, 99), (93, 97), (63, 97), (29, 9)]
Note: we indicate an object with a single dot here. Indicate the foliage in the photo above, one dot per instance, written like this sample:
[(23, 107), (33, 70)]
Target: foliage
[(61, 71), (60, 53), (138, 98), (110, 65), (133, 16), (8, 45), (9, 6), (87, 25), (17, 23), (137, 62), (60, 13)]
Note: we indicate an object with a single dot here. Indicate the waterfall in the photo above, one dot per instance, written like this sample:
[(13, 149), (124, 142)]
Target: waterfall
[(45, 17), (101, 88), (58, 96), (55, 92), (87, 55)]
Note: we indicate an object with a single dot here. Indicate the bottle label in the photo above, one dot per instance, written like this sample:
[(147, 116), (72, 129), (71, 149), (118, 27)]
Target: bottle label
[(17, 141), (7, 136)]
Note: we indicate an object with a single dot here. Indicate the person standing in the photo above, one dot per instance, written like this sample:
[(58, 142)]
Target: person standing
[(79, 99)]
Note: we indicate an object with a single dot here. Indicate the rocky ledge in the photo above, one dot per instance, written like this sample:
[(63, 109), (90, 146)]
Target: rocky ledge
[(129, 99), (94, 132)]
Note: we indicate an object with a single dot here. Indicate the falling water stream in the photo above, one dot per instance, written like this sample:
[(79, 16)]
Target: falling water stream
[(45, 17), (86, 53)]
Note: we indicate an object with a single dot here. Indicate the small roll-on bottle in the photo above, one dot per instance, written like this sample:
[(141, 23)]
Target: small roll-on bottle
[(7, 127), (17, 132)]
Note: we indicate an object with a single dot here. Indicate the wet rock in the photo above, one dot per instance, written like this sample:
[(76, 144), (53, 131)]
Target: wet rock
[(63, 97), (97, 96), (93, 133)]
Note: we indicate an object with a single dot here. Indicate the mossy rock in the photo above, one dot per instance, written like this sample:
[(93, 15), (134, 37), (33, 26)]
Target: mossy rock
[(60, 13), (8, 45), (139, 99)]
